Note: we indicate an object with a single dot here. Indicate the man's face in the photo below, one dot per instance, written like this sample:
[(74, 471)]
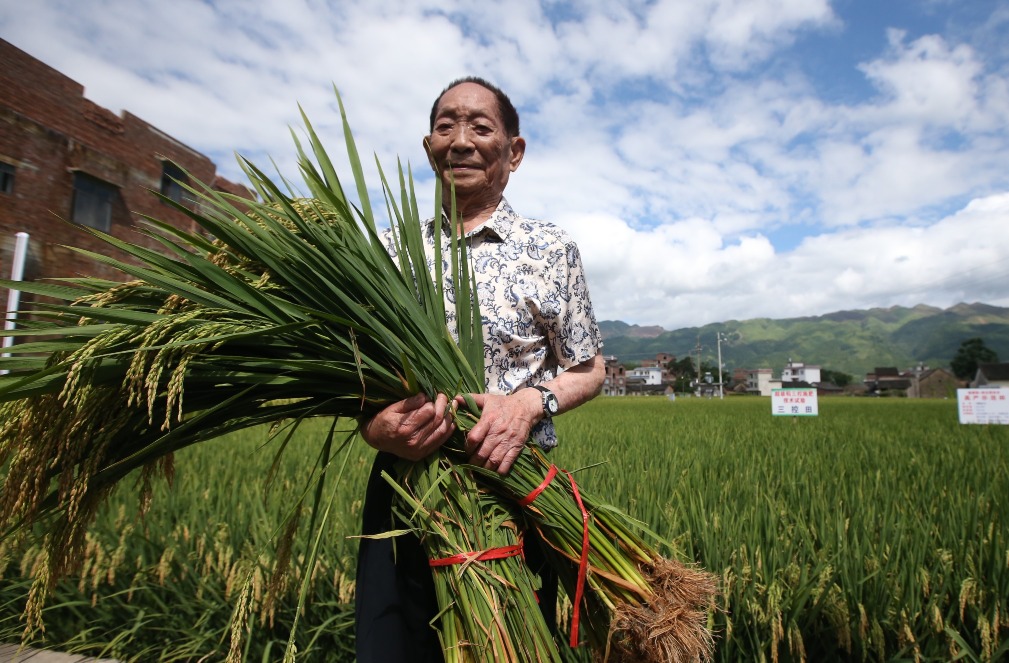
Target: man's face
[(469, 145)]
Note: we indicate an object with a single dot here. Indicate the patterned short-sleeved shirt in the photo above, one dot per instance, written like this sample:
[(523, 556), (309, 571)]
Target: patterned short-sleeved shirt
[(537, 315)]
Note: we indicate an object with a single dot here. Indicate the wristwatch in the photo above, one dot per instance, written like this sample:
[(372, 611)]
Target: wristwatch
[(550, 404)]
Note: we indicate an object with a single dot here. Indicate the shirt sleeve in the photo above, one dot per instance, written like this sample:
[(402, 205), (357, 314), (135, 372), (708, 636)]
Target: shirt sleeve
[(573, 331)]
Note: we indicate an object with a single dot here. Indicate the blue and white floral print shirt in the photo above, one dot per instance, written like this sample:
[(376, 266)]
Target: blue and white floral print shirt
[(537, 315)]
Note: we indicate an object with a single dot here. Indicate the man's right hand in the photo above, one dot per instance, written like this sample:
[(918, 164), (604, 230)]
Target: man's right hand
[(411, 428)]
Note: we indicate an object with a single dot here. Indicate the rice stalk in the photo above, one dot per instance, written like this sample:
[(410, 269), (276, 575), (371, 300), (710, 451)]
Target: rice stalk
[(491, 603)]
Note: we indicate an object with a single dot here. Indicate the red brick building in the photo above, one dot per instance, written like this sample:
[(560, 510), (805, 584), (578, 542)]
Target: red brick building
[(615, 382), (64, 157)]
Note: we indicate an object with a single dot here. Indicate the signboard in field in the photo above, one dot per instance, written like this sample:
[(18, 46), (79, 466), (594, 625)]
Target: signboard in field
[(794, 402), (983, 406)]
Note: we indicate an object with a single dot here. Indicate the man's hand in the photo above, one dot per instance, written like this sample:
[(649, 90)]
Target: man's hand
[(497, 439), (412, 428)]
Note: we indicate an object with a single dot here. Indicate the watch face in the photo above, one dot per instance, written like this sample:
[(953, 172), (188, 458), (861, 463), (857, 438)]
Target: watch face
[(550, 403)]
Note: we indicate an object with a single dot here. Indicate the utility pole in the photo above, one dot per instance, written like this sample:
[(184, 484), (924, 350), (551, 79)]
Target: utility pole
[(721, 389), (14, 294), (698, 373)]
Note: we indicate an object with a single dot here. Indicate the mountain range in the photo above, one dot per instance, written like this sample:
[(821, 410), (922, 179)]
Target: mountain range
[(854, 342)]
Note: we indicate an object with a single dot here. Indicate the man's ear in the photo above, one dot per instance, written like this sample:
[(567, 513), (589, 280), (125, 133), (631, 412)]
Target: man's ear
[(518, 148)]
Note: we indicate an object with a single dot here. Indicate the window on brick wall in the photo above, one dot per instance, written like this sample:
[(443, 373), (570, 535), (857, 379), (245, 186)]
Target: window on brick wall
[(93, 200), (172, 179), (6, 178)]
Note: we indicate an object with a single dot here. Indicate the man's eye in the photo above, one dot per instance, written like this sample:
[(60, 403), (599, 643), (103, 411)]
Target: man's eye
[(483, 129), (443, 127)]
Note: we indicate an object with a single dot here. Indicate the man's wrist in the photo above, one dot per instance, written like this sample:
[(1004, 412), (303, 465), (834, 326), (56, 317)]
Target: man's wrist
[(531, 403), (549, 405)]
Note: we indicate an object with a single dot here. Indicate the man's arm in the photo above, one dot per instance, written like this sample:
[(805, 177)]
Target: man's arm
[(416, 427), (505, 422)]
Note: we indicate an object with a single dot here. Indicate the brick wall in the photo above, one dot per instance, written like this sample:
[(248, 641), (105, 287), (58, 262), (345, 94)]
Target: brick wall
[(49, 131)]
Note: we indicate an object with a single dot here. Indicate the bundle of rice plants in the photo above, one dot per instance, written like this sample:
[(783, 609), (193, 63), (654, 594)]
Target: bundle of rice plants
[(295, 309)]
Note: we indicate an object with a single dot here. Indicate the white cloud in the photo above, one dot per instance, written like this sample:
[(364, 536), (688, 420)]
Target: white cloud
[(684, 274), (927, 81), (741, 31)]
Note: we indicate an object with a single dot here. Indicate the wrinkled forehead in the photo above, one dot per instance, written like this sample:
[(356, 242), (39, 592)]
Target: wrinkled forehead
[(469, 100)]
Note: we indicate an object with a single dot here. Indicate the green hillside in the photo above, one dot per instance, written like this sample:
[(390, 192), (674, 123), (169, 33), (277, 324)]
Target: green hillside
[(854, 342)]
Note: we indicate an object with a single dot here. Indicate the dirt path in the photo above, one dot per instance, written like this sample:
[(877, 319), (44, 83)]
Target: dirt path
[(10, 654)]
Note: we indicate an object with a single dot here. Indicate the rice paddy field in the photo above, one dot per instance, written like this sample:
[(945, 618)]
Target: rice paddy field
[(877, 531)]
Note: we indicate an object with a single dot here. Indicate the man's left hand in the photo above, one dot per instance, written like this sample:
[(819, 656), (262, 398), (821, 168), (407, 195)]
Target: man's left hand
[(497, 439)]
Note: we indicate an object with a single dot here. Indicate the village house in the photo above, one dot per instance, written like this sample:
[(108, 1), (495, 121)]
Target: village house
[(646, 375), (662, 361), (615, 382), (885, 381), (800, 372), (934, 383), (918, 382), (991, 375), (760, 381), (795, 375), (652, 379)]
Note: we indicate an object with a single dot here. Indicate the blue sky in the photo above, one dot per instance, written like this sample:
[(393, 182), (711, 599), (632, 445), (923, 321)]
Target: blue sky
[(714, 159)]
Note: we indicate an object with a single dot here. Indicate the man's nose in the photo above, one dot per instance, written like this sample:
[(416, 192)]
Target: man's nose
[(461, 137)]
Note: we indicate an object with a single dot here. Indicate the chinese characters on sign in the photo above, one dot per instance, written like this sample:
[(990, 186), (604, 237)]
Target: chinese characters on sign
[(794, 402), (983, 406)]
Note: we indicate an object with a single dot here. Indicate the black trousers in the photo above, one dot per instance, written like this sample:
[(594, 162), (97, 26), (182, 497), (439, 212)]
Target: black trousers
[(395, 599)]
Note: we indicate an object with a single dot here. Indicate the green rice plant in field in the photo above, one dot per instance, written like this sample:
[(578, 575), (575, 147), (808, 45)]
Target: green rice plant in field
[(878, 531), (163, 588)]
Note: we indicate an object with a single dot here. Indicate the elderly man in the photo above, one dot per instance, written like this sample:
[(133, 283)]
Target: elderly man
[(541, 357)]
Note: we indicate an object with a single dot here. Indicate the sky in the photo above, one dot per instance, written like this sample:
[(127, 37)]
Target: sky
[(715, 160)]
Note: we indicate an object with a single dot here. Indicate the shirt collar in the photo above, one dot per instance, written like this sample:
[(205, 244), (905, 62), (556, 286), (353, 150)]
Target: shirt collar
[(499, 224)]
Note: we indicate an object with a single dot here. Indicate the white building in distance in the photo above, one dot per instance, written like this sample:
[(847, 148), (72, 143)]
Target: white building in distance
[(648, 375), (760, 381), (799, 372)]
